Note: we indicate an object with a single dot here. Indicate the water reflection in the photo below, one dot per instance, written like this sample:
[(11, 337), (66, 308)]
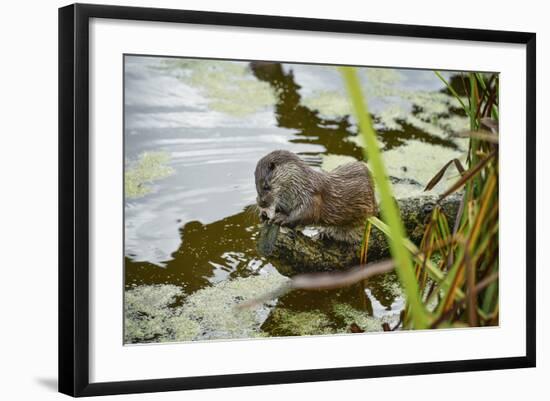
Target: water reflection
[(310, 128), (207, 253), (224, 250)]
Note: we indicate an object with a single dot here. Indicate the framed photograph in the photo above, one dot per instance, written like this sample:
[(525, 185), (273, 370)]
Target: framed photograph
[(251, 199)]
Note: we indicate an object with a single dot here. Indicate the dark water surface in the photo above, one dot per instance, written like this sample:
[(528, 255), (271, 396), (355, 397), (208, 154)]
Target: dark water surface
[(202, 126)]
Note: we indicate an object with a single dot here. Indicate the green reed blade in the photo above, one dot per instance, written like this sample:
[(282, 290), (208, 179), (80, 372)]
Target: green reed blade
[(390, 212), (451, 89)]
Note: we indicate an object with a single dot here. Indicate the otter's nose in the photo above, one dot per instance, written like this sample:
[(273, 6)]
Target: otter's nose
[(261, 202)]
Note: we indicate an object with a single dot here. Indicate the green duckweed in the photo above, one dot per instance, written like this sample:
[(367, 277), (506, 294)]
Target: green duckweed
[(139, 174), (210, 313), (229, 87), (285, 322)]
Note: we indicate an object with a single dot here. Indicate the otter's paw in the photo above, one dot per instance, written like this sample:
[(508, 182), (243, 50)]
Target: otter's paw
[(284, 220), (280, 219)]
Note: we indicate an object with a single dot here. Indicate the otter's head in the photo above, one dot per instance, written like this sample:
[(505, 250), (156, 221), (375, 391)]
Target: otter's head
[(268, 183)]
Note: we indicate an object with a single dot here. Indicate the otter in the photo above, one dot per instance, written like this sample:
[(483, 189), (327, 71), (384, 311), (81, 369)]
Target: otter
[(291, 194)]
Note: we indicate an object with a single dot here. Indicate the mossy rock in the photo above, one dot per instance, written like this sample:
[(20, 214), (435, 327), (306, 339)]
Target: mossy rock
[(304, 253)]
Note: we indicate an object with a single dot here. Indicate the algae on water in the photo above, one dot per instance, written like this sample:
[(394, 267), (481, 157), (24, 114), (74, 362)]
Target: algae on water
[(215, 307), (148, 316), (229, 87), (428, 111), (153, 314), (414, 164), (139, 174), (350, 315), (330, 104), (285, 322), (330, 162), (210, 313), (383, 77), (411, 166)]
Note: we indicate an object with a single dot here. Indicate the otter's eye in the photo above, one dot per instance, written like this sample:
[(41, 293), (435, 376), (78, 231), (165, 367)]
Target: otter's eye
[(266, 187)]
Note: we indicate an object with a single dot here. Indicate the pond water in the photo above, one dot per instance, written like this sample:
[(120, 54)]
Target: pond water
[(194, 130)]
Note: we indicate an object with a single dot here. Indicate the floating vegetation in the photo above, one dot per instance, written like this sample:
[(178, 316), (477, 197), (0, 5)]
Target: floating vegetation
[(429, 111), (388, 285), (210, 313), (330, 162), (460, 287), (383, 77), (350, 316), (285, 322), (215, 307), (150, 166), (331, 104), (153, 314), (148, 316), (412, 166), (229, 87)]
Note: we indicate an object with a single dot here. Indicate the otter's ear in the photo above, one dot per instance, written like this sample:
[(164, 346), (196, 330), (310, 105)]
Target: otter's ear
[(271, 166)]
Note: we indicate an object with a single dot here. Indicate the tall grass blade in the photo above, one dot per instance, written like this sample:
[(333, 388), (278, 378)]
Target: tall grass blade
[(468, 175), (451, 89), (435, 180), (390, 212), (365, 245)]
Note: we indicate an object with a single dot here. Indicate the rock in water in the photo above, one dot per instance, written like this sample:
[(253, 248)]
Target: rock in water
[(304, 254)]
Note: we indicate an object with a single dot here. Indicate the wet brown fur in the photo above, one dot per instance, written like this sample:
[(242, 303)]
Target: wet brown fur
[(290, 193)]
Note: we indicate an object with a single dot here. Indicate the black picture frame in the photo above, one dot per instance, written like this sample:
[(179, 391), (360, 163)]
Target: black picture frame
[(74, 198)]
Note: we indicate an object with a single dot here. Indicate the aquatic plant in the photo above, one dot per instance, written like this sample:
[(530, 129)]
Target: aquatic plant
[(428, 111), (157, 313), (451, 280), (139, 174), (149, 317), (330, 104), (330, 162), (215, 307), (339, 320), (388, 207), (417, 159), (349, 316), (229, 87), (285, 322)]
